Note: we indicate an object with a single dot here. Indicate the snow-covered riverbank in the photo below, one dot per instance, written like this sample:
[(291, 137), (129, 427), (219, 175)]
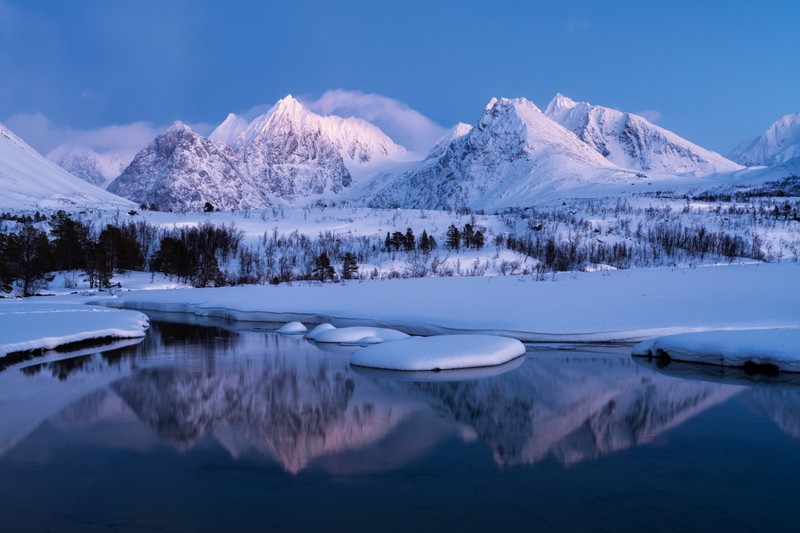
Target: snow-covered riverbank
[(45, 324), (618, 306)]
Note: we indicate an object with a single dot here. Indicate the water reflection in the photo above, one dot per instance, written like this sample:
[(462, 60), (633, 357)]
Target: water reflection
[(282, 399)]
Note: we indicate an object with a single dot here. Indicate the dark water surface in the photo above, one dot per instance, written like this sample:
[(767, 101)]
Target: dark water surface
[(203, 428)]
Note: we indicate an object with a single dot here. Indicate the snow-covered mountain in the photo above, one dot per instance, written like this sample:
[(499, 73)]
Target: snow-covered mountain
[(287, 155), (297, 154), (780, 143), (512, 155), (356, 140), (632, 142), (228, 130), (28, 180), (97, 168), (181, 170)]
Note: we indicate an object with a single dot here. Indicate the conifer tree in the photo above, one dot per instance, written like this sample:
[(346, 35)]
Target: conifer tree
[(322, 268), (453, 237), (408, 241), (349, 266)]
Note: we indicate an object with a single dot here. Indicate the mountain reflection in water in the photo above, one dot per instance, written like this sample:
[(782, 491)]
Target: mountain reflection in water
[(282, 399)]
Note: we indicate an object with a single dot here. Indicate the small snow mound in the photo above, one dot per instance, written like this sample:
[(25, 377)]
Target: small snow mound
[(446, 352), (360, 334), (312, 335), (292, 328), (738, 348)]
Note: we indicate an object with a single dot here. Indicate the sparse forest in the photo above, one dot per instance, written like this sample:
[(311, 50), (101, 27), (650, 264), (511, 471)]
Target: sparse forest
[(540, 241)]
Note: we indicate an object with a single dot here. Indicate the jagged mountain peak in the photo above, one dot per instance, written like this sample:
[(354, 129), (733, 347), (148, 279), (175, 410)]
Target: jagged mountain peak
[(228, 129), (779, 144), (356, 140), (631, 141), (518, 126), (455, 133), (558, 103), (180, 170), (180, 127), (513, 154)]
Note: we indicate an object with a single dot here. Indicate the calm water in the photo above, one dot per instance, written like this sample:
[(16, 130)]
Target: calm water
[(200, 428)]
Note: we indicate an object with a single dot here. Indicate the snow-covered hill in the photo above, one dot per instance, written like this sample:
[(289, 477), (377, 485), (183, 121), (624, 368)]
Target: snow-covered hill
[(780, 143), (181, 170), (97, 168), (632, 142), (28, 180), (514, 154)]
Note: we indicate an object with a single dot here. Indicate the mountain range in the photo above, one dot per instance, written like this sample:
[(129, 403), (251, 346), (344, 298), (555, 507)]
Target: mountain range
[(514, 155)]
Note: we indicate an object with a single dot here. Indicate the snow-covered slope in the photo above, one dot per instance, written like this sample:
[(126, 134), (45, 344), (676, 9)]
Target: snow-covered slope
[(29, 180), (780, 143), (96, 168), (182, 170), (632, 142), (228, 130), (456, 132), (512, 155)]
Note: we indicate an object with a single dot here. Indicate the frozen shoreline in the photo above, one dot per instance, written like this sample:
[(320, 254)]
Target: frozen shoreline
[(779, 348), (619, 306), (36, 325)]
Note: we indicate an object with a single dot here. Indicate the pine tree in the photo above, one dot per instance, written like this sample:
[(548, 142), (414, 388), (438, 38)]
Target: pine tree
[(70, 241), (468, 236), (424, 242), (408, 241), (31, 259), (453, 237), (349, 266), (322, 268), (479, 240)]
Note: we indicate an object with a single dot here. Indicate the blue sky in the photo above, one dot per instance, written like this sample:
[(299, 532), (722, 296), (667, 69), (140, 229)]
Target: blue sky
[(713, 72)]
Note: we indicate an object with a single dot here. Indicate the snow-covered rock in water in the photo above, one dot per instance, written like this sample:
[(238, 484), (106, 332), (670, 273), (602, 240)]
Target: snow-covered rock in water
[(513, 155), (28, 326), (228, 130), (444, 352), (28, 180), (89, 165), (292, 328), (739, 348), (312, 335), (182, 170), (631, 141), (780, 143), (359, 335)]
